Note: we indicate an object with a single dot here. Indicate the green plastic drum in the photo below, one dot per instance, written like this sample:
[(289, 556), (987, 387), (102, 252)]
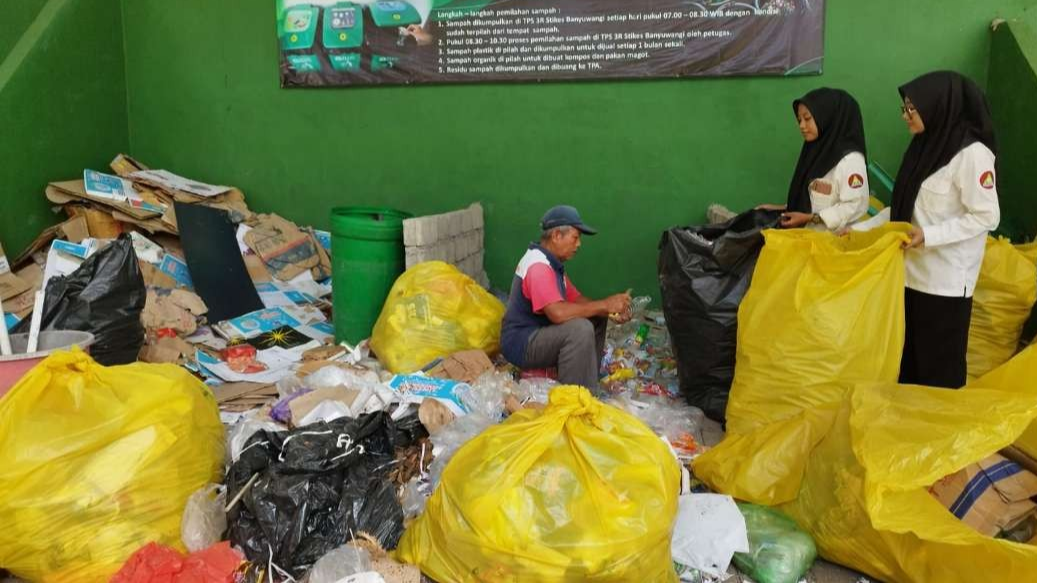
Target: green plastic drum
[(367, 257)]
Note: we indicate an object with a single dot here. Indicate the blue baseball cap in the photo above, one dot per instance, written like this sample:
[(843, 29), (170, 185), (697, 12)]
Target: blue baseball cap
[(565, 216)]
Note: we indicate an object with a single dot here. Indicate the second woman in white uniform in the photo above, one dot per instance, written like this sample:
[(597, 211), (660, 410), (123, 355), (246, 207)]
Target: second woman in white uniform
[(947, 189)]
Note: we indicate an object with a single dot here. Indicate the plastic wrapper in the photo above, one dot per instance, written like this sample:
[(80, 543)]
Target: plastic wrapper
[(486, 399), (105, 297), (413, 498), (680, 424), (281, 412), (289, 385), (325, 411), (97, 461), (448, 440), (433, 311), (535, 390), (339, 564), (318, 486), (205, 519), (779, 552), (336, 376), (580, 491), (240, 433), (1004, 297), (158, 564), (704, 272)]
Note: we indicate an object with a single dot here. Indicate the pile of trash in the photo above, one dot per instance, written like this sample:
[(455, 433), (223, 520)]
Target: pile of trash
[(165, 269), (264, 451)]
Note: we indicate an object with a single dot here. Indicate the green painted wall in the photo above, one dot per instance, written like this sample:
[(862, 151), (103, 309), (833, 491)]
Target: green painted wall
[(17, 16), (62, 106), (1013, 98), (635, 157)]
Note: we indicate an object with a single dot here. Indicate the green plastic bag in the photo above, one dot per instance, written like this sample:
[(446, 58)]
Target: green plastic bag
[(779, 551)]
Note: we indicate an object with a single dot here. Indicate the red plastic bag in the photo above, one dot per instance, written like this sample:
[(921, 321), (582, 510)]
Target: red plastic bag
[(155, 563)]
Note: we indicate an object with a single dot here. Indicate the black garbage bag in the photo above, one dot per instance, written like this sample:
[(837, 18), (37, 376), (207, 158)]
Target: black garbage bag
[(105, 297), (318, 486), (704, 272)]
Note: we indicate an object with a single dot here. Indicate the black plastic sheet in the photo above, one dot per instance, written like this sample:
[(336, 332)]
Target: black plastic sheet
[(704, 272), (318, 486), (105, 297)]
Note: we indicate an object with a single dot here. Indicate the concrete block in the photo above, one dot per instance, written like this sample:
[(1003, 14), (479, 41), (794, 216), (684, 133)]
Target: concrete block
[(478, 216), (416, 255), (467, 221), (456, 223), (475, 243), (420, 231), (409, 226)]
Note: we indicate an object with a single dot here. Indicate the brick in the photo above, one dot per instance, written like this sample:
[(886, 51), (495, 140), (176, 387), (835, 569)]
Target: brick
[(420, 232), (456, 223), (475, 242)]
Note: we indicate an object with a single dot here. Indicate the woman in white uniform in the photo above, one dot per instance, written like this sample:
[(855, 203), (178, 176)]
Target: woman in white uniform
[(829, 189), (946, 188)]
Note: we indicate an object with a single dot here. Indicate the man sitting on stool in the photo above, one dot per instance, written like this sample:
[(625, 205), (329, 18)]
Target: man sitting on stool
[(548, 322)]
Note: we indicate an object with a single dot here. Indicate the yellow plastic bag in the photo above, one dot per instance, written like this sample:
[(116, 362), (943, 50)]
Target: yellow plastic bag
[(95, 462), (822, 314), (864, 495), (432, 311), (580, 491), (1005, 294)]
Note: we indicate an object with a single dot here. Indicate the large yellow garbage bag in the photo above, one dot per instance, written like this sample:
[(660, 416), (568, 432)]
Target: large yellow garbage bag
[(432, 311), (96, 462), (822, 314), (580, 491), (1015, 375), (864, 495), (1005, 294)]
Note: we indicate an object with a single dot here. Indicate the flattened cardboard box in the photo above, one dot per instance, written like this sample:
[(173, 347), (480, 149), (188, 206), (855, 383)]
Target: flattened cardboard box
[(10, 284), (73, 230), (991, 496), (466, 366), (73, 190), (286, 249), (22, 304)]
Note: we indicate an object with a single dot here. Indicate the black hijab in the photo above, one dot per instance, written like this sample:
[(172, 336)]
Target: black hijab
[(840, 130), (956, 115)]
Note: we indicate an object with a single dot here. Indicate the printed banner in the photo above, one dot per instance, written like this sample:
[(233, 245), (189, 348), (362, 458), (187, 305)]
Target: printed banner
[(372, 42)]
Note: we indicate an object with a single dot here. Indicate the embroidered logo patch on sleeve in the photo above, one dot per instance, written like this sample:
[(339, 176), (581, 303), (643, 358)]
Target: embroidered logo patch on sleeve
[(986, 180), (855, 181)]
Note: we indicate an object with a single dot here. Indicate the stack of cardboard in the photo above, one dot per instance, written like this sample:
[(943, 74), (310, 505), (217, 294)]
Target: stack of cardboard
[(994, 496), (289, 266)]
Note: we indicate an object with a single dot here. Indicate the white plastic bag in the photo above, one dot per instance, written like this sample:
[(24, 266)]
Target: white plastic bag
[(340, 565), (239, 434), (708, 532), (204, 518)]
